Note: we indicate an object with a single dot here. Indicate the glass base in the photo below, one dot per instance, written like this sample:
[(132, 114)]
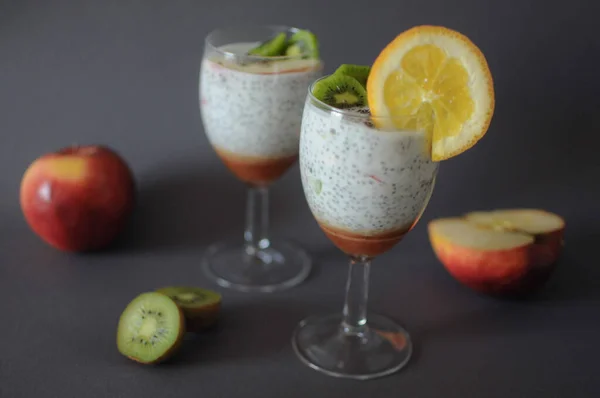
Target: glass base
[(280, 266), (322, 344)]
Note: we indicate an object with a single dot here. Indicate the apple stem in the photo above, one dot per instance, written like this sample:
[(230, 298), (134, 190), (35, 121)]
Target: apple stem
[(257, 220), (354, 320)]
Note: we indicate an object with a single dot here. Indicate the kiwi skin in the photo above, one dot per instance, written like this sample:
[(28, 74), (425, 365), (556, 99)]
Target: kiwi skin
[(198, 317), (172, 350), (205, 319)]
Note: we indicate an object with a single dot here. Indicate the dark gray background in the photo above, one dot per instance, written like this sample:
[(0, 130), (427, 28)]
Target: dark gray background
[(124, 73)]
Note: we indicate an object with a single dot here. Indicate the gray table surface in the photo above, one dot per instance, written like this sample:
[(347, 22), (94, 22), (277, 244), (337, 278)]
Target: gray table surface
[(124, 73)]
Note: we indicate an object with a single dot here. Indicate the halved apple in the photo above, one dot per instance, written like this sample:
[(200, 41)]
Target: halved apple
[(502, 252)]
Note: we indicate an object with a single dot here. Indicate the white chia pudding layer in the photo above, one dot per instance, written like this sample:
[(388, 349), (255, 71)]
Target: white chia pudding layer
[(359, 179), (254, 109)]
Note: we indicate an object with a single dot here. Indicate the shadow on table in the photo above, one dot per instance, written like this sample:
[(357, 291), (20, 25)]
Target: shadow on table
[(577, 276), (245, 330), (185, 208), (576, 282)]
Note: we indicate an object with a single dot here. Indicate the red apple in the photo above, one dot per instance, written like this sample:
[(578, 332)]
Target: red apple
[(78, 198), (501, 252)]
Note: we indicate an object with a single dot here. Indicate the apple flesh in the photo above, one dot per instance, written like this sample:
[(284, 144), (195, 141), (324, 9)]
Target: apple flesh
[(501, 252), (546, 228), (78, 198)]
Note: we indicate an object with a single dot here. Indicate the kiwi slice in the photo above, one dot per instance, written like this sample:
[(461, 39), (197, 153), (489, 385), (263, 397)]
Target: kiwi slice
[(303, 42), (272, 48), (340, 91), (151, 328), (200, 306), (359, 72)]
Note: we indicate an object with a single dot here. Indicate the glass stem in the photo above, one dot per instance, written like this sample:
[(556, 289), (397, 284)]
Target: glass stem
[(257, 220), (354, 320)]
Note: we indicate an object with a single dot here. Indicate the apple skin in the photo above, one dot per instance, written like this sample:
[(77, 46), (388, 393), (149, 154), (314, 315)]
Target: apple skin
[(514, 272), (78, 198)]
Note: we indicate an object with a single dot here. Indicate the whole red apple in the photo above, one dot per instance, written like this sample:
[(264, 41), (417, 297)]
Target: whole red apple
[(78, 198)]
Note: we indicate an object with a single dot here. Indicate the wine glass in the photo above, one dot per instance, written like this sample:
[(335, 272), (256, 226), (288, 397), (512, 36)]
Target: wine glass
[(251, 108), (367, 188)]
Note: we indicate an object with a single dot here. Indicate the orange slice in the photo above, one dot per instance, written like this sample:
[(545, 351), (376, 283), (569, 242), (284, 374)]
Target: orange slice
[(433, 79)]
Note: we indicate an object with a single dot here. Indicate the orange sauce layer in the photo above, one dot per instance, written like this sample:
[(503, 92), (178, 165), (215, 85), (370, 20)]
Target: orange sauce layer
[(356, 244), (256, 170)]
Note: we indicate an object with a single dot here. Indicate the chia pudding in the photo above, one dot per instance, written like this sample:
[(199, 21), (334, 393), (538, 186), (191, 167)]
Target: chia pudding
[(252, 109), (366, 187)]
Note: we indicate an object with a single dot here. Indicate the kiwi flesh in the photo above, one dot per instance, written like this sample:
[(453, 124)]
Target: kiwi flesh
[(303, 42), (201, 307), (151, 328), (340, 91), (271, 48), (294, 50), (359, 72)]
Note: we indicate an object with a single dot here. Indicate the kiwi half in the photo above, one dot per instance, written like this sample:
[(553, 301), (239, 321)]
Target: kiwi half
[(201, 307), (340, 91), (151, 328), (303, 42), (359, 72), (272, 48)]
